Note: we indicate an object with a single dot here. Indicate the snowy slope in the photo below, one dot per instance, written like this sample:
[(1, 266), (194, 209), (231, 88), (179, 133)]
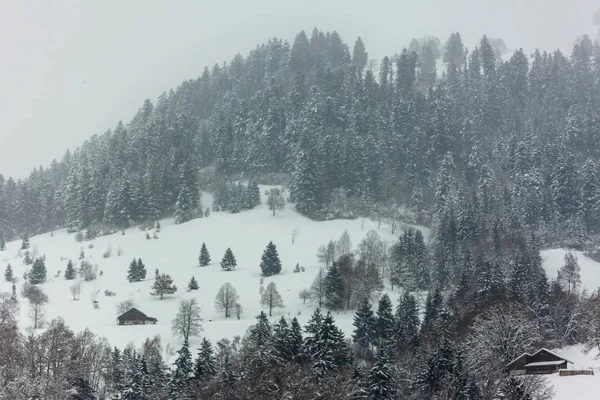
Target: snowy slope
[(590, 270), (580, 387), (176, 253)]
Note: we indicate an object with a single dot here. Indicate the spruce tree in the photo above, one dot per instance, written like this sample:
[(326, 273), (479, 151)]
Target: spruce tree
[(295, 341), (385, 322), (180, 380), (25, 242), (193, 284), (281, 336), (270, 263), (8, 273), (328, 347), (513, 389), (380, 380), (334, 287), (254, 194), (38, 272), (407, 321), (206, 362), (136, 271), (228, 262), (70, 271), (163, 284), (204, 258), (364, 327)]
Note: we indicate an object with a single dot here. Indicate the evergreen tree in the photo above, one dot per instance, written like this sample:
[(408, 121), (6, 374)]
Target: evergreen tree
[(137, 271), (253, 194), (359, 54), (38, 272), (206, 362), (8, 273), (384, 321), (513, 389), (295, 341), (2, 243), (81, 390), (407, 320), (25, 242), (193, 284), (380, 381), (180, 380), (364, 327), (204, 258), (334, 287), (163, 284), (228, 261), (70, 271), (270, 263), (327, 347), (281, 337)]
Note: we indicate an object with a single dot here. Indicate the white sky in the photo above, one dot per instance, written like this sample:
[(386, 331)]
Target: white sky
[(72, 68)]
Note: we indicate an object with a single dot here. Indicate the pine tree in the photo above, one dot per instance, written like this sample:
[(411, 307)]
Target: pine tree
[(384, 322), (81, 390), (228, 262), (193, 284), (407, 321), (70, 271), (364, 327), (380, 380), (271, 298), (163, 284), (204, 258), (334, 287), (8, 273), (25, 242), (180, 380), (270, 263), (38, 272), (513, 389), (137, 271), (206, 362)]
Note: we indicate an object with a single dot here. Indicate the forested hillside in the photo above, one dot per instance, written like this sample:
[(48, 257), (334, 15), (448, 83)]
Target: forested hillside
[(491, 143)]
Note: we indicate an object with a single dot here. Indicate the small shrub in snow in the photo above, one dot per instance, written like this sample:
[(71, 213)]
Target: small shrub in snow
[(27, 260), (207, 212), (88, 271), (109, 293), (81, 254), (90, 246), (193, 285), (147, 236), (119, 251), (79, 237), (296, 268), (155, 236), (107, 253)]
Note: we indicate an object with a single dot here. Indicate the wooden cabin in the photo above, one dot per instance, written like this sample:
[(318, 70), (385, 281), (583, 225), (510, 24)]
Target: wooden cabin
[(541, 362), (135, 317)]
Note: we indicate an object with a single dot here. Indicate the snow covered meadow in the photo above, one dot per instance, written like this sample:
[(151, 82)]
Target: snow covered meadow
[(176, 252)]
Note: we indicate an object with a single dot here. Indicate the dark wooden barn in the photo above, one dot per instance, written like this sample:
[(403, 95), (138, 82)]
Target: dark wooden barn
[(542, 361), (135, 317)]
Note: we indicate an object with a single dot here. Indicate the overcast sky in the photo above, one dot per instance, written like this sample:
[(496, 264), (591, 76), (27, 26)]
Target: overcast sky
[(72, 69)]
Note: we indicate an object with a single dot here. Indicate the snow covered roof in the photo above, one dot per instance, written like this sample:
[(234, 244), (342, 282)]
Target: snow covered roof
[(553, 353), (531, 355), (544, 363)]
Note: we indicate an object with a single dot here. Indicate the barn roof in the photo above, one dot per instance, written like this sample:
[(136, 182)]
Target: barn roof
[(531, 355), (133, 314)]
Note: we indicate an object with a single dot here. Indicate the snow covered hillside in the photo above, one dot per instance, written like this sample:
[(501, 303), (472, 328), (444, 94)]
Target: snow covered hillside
[(590, 270), (580, 387), (176, 253)]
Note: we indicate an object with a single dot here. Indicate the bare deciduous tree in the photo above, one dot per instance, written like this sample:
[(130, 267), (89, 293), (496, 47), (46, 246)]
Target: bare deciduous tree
[(37, 299), (295, 233), (188, 321), (327, 253), (318, 287), (304, 295), (271, 298), (75, 290), (569, 274), (275, 201), (344, 245), (125, 306), (370, 248), (226, 299)]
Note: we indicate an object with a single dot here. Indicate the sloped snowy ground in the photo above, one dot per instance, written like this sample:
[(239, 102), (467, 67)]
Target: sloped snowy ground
[(579, 387), (176, 253), (553, 260)]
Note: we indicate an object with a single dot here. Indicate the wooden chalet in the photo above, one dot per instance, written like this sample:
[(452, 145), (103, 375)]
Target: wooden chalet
[(541, 362), (135, 317)]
